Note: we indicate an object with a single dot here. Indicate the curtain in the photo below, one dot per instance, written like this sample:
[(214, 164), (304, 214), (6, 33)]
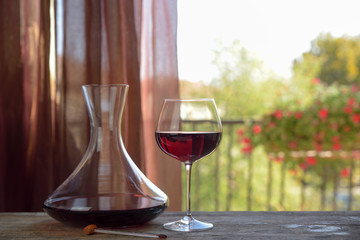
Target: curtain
[(159, 81), (44, 128)]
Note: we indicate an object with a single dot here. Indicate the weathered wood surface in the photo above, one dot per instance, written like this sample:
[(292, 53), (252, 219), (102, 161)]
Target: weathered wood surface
[(227, 225)]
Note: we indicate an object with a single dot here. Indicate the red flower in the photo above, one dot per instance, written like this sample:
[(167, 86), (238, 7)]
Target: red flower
[(348, 109), (347, 128), (356, 118), (293, 144), (315, 81), (247, 140), (272, 124), (336, 146), (345, 172), (298, 115), (336, 139), (247, 149), (351, 102), (354, 88), (257, 129), (303, 166), (311, 161), (323, 113), (356, 154), (319, 136), (240, 132), (279, 159), (278, 114), (318, 146)]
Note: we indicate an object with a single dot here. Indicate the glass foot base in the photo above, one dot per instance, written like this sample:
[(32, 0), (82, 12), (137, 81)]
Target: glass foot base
[(188, 224)]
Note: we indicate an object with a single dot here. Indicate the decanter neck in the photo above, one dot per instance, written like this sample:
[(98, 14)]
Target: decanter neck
[(105, 104)]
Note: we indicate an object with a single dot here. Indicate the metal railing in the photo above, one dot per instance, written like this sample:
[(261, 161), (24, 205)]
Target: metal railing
[(218, 181)]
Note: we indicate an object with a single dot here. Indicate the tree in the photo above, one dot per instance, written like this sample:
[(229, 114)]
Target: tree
[(242, 88), (333, 60)]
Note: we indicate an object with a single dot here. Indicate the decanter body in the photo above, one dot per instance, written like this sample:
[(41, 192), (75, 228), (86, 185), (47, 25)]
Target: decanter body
[(106, 188)]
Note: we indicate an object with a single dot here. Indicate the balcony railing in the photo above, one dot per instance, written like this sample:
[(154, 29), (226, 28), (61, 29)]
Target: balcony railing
[(229, 180)]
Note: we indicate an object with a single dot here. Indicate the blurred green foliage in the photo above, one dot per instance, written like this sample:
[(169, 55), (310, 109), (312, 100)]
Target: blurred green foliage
[(333, 60), (320, 100)]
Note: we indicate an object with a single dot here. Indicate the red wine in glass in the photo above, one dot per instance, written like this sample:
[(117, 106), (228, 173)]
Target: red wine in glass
[(188, 146), (188, 130)]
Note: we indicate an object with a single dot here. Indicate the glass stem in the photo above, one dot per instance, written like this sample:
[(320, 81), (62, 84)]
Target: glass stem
[(188, 185)]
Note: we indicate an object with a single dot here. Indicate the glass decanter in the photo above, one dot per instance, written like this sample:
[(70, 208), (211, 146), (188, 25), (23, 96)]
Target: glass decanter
[(106, 188)]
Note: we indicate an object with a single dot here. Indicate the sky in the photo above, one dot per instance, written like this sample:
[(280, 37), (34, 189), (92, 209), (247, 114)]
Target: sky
[(274, 31)]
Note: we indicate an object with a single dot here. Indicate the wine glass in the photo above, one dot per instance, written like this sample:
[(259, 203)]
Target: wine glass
[(188, 130)]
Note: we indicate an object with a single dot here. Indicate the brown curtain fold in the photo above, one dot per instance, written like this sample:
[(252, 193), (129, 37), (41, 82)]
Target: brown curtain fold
[(12, 139), (25, 104), (44, 127), (122, 50), (159, 80)]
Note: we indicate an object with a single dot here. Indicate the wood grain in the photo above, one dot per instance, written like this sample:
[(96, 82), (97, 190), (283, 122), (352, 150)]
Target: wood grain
[(227, 225)]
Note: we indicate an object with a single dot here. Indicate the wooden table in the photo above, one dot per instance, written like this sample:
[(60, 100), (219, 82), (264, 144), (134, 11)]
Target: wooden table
[(227, 225)]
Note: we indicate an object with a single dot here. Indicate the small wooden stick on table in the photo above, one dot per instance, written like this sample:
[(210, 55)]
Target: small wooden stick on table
[(90, 229)]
